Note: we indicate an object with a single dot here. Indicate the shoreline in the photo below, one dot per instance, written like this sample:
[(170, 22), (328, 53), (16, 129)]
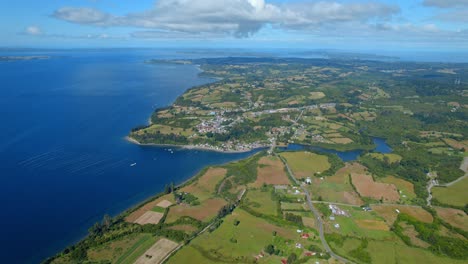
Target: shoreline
[(191, 147)]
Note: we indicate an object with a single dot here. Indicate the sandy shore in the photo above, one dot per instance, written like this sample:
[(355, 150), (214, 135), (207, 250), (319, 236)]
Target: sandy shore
[(190, 147)]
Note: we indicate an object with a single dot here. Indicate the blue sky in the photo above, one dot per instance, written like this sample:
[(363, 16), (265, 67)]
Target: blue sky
[(339, 24)]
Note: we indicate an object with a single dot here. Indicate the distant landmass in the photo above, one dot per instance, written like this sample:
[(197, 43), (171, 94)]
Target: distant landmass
[(22, 58)]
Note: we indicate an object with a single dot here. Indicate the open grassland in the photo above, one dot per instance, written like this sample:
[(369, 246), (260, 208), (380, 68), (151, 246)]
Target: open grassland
[(122, 250), (239, 243), (366, 186), (454, 194), (190, 254), (205, 186), (306, 164), (397, 252), (389, 212), (337, 188), (454, 217), (149, 207), (157, 252), (270, 171), (292, 206), (260, 201), (163, 129), (405, 188), (360, 224)]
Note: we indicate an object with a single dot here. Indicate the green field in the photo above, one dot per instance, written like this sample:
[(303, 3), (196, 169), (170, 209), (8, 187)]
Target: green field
[(251, 235), (306, 164), (360, 224), (260, 201), (125, 250), (158, 209), (453, 195), (397, 252)]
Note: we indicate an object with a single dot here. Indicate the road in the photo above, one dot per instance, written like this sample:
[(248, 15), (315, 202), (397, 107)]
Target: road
[(316, 215), (463, 167)]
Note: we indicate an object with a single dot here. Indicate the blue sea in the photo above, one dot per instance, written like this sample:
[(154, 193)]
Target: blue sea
[(64, 162)]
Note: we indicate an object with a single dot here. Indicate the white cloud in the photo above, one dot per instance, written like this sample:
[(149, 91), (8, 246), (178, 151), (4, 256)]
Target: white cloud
[(82, 15), (240, 18), (33, 30)]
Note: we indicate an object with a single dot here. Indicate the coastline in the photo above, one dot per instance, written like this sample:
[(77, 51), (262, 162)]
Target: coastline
[(190, 147)]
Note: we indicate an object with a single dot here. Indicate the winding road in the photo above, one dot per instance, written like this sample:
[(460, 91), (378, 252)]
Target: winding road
[(316, 214)]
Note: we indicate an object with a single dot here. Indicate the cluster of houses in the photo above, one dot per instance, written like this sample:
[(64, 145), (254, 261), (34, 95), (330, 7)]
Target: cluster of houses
[(337, 211), (214, 125)]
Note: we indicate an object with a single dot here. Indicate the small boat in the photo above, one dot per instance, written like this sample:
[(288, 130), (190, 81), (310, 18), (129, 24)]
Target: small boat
[(133, 164)]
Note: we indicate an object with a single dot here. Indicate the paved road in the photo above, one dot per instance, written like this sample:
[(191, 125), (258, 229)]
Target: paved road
[(316, 215)]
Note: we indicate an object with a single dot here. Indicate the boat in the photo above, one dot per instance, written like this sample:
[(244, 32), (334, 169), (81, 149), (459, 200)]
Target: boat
[(133, 164)]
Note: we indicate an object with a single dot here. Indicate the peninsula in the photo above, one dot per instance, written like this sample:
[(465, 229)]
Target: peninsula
[(304, 205)]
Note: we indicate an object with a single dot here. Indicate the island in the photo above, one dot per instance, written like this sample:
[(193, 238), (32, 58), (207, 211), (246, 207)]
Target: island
[(295, 200)]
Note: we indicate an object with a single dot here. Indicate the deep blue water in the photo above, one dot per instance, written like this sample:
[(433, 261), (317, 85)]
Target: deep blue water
[(64, 162)]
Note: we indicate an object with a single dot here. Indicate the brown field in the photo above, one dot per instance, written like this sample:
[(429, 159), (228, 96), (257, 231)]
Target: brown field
[(205, 186), (401, 184), (270, 171), (149, 217), (164, 204), (366, 186), (454, 217), (372, 224), (456, 144), (204, 212), (147, 207), (389, 214), (157, 252)]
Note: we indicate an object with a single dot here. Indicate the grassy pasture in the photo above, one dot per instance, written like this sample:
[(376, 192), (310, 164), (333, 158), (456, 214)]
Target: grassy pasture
[(260, 201), (360, 224), (123, 250), (397, 252), (241, 243), (337, 188), (305, 164), (453, 195)]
